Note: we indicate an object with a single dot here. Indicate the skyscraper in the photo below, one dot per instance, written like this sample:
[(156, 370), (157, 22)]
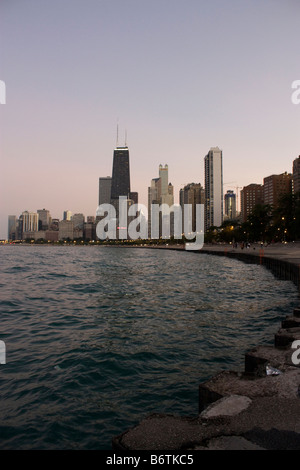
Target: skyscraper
[(12, 227), (78, 221), (44, 219), (104, 190), (193, 194), (120, 183), (251, 195), (67, 215), (230, 205), (213, 207), (160, 192), (30, 221), (296, 175), (116, 187), (275, 186)]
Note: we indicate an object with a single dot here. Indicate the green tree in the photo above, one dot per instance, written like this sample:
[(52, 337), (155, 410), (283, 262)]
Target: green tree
[(286, 218), (260, 222)]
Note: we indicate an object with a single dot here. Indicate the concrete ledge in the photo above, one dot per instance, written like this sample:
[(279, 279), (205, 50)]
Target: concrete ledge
[(285, 336), (296, 312), (258, 358), (229, 443), (228, 406), (246, 410), (267, 423), (291, 322)]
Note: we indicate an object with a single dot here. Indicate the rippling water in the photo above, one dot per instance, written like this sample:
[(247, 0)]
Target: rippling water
[(97, 337)]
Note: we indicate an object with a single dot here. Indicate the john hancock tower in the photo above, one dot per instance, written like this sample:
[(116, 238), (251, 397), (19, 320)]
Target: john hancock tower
[(120, 182)]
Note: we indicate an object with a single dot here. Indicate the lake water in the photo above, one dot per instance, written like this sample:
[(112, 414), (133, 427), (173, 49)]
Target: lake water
[(99, 337)]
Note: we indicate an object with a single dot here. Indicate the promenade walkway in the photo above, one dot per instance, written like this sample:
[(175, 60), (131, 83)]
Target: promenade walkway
[(288, 252)]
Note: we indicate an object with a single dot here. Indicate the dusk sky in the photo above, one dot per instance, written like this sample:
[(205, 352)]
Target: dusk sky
[(179, 76)]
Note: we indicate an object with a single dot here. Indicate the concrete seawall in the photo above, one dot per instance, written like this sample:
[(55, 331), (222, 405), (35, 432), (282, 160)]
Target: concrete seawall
[(257, 408), (282, 260)]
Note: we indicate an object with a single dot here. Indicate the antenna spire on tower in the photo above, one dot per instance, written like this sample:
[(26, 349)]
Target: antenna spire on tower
[(117, 143)]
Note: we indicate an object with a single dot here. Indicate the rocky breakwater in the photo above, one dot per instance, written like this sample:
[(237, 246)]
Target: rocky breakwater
[(255, 409)]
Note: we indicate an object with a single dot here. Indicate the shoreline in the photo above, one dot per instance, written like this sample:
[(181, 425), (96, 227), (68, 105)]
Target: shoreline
[(283, 260), (254, 409)]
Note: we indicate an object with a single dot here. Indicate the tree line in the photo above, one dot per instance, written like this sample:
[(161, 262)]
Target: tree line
[(265, 224)]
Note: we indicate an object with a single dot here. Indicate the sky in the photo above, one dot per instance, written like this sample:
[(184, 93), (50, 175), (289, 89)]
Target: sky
[(178, 76)]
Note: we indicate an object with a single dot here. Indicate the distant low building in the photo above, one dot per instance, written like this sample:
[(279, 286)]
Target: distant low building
[(66, 230), (89, 231), (29, 235), (44, 219), (54, 224), (78, 221), (251, 195), (51, 235), (276, 186)]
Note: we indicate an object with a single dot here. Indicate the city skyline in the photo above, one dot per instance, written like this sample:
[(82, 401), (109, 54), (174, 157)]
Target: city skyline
[(218, 208), (72, 74)]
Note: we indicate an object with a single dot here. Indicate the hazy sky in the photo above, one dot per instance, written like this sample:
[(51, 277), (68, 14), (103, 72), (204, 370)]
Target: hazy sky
[(180, 75)]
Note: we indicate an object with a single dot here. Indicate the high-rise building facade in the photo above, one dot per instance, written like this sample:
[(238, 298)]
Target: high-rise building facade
[(12, 227), (111, 189), (66, 230), (78, 221), (164, 180), (44, 219), (251, 195), (120, 183), (230, 205), (276, 186), (296, 175), (213, 169), (104, 190), (30, 221), (192, 194), (160, 192), (67, 215), (134, 197)]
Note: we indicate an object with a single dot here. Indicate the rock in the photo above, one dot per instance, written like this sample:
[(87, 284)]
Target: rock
[(228, 406)]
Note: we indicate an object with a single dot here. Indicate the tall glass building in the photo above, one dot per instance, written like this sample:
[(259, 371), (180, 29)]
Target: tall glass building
[(213, 162), (230, 205), (104, 190)]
